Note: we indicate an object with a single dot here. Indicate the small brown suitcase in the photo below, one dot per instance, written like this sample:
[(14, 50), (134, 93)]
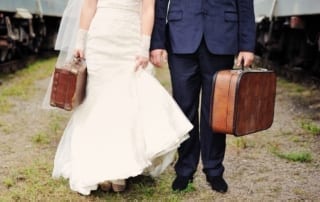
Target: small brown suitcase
[(243, 101), (69, 85)]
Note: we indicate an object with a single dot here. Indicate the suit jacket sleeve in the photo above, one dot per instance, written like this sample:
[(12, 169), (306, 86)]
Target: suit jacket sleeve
[(246, 25), (158, 40)]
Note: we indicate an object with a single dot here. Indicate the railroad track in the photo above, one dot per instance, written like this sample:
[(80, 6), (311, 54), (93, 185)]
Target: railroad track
[(11, 66), (14, 65)]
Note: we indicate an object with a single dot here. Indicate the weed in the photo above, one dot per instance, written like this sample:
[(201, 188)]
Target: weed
[(190, 188), (8, 182), (5, 128), (41, 138), (312, 128), (148, 191), (5, 106), (303, 157), (241, 143), (295, 139), (299, 191), (276, 189), (286, 133)]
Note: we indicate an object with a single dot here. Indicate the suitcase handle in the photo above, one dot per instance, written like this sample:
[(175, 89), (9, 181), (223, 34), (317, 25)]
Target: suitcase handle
[(242, 65), (251, 68), (76, 64), (78, 59)]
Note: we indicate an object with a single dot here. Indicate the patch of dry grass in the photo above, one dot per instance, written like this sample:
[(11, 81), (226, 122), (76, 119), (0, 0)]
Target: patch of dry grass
[(311, 127), (20, 85)]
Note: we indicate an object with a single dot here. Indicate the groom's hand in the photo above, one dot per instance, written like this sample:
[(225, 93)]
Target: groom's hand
[(158, 57), (246, 57)]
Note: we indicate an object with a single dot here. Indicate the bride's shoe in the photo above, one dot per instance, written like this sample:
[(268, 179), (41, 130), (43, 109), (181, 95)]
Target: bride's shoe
[(105, 186), (118, 185)]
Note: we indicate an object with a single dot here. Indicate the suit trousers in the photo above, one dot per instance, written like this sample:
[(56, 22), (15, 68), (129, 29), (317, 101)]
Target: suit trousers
[(191, 77)]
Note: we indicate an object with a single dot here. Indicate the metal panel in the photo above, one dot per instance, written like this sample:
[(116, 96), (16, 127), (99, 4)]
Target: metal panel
[(48, 7), (53, 7), (286, 7), (12, 5)]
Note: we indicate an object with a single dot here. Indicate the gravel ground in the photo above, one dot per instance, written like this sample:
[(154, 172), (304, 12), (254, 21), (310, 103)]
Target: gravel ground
[(253, 170)]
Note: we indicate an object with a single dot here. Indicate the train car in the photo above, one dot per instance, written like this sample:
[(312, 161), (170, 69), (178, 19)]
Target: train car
[(288, 34), (26, 26)]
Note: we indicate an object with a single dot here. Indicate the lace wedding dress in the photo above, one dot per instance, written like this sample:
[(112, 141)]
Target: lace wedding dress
[(128, 124)]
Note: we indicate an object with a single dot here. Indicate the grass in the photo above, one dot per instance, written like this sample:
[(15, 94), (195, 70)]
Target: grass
[(8, 182), (6, 128), (296, 139), (31, 181), (34, 183), (163, 76), (295, 156), (58, 119), (312, 128), (242, 143), (5, 105), (285, 133), (302, 157), (41, 138), (293, 88), (190, 188), (20, 86)]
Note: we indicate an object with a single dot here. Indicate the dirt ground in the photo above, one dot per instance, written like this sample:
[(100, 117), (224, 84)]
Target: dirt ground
[(255, 168)]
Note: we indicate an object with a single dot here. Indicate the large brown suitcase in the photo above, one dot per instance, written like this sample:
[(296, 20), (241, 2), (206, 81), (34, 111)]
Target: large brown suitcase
[(69, 85), (243, 101)]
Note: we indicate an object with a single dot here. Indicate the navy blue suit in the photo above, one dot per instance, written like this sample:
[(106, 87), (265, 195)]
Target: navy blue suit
[(201, 37)]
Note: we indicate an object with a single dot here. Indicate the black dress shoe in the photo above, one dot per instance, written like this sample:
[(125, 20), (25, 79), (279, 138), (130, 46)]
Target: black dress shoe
[(218, 183), (181, 183)]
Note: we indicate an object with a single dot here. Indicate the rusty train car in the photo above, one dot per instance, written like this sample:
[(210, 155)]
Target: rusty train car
[(26, 26), (288, 34)]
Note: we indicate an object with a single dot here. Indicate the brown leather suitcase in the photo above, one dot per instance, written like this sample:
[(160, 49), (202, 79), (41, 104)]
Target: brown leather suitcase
[(69, 85), (243, 101)]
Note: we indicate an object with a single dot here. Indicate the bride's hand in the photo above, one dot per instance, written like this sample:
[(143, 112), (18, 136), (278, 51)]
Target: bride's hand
[(78, 53), (142, 58), (141, 62), (80, 43)]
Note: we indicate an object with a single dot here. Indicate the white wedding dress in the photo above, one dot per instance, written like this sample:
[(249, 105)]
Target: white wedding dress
[(128, 124)]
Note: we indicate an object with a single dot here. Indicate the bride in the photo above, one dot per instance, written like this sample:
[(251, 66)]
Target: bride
[(128, 124)]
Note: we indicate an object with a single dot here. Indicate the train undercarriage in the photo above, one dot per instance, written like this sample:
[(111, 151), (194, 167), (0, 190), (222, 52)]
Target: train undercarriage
[(22, 34), (292, 42)]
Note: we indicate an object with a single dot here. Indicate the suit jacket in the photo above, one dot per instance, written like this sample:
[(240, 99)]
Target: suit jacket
[(227, 25)]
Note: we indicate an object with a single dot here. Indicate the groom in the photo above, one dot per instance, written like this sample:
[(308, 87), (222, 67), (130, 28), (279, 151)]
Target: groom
[(201, 37)]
